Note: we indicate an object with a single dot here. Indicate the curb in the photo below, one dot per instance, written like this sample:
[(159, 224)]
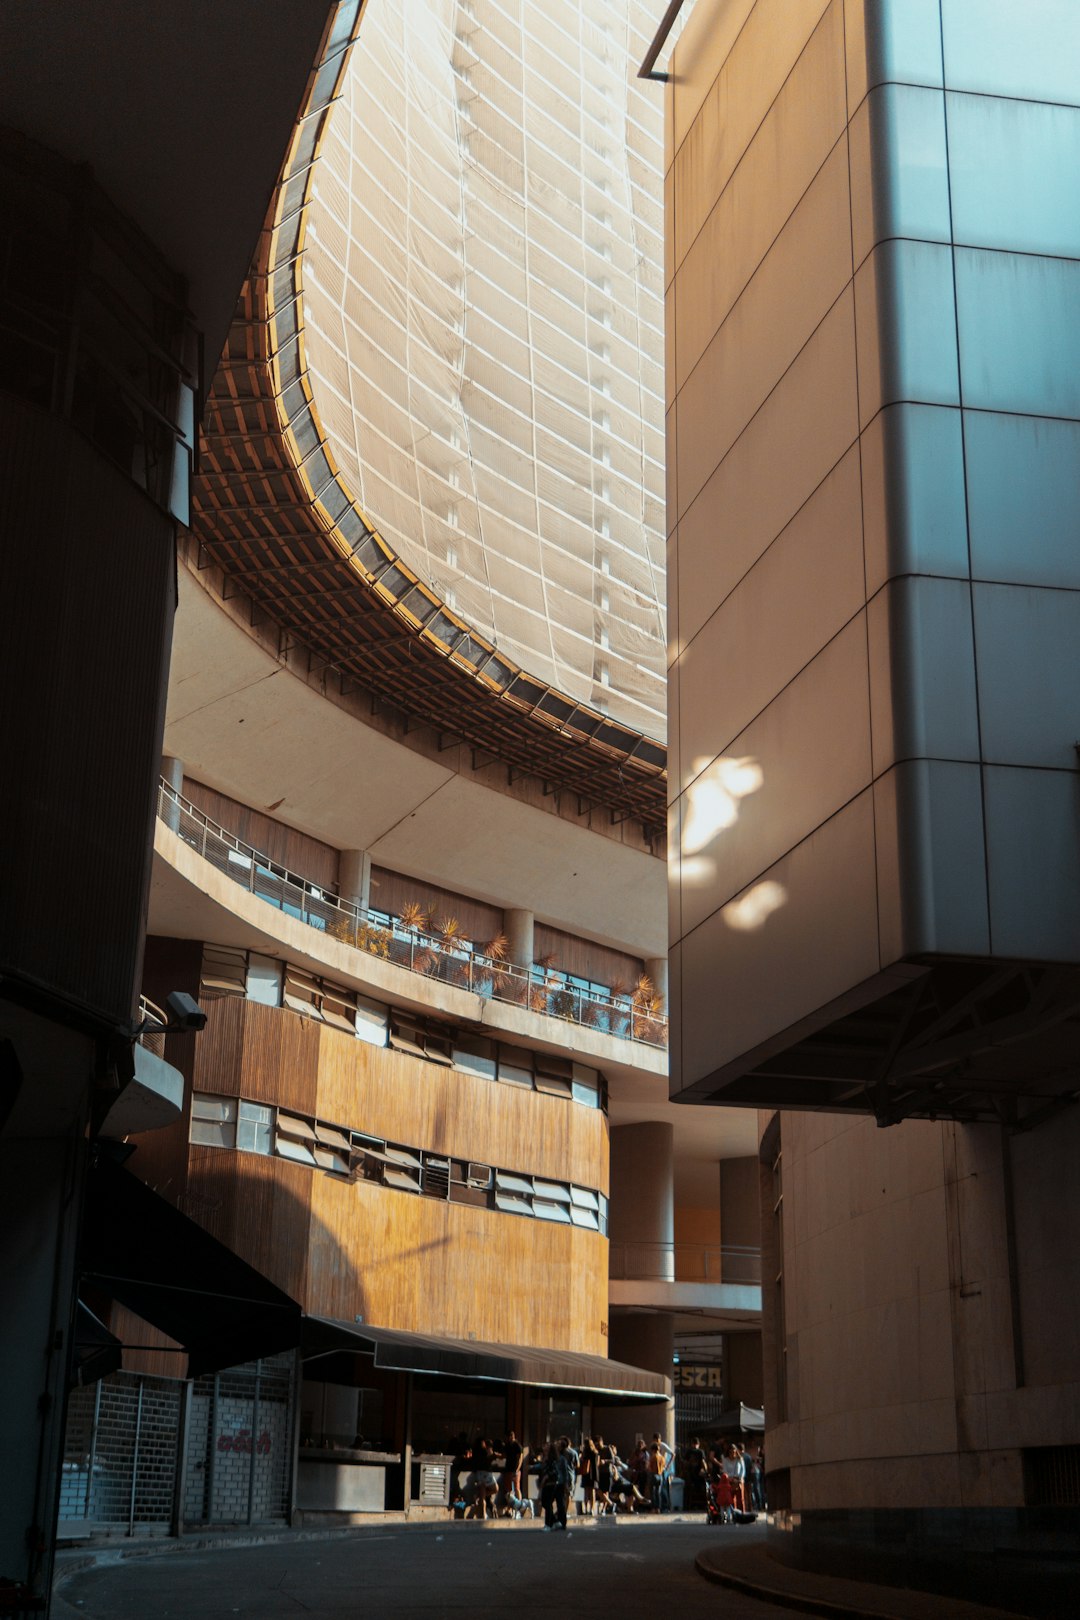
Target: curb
[(889, 1604), (788, 1600)]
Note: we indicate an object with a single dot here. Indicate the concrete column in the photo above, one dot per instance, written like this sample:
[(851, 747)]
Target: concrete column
[(643, 1339), (740, 1220), (354, 877), (518, 928), (173, 772), (641, 1230), (641, 1214), (656, 968)]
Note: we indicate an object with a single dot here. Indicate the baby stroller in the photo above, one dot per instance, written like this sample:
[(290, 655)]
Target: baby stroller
[(719, 1501), (720, 1504)]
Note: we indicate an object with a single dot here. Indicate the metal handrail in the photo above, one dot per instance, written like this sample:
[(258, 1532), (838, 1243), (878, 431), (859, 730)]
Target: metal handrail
[(667, 23), (685, 1262), (453, 961), (149, 1015)]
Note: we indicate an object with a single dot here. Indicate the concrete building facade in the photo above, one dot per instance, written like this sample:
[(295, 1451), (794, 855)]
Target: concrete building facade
[(415, 886), (872, 453)]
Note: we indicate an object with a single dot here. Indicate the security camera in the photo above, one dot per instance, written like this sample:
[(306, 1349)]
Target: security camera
[(185, 1014)]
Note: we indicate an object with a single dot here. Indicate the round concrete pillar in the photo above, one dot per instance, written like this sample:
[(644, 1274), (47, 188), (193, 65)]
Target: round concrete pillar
[(641, 1213), (354, 877), (656, 968), (642, 1339), (518, 928)]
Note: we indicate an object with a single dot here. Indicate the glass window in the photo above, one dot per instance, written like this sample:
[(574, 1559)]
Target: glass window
[(290, 1125), (505, 1182), (515, 1067), (264, 980), (586, 1086), (253, 1129), (213, 1121), (301, 993), (552, 1190), (327, 1159), (512, 1204), (403, 1180), (339, 1010), (287, 1148), (474, 1055), (372, 1021)]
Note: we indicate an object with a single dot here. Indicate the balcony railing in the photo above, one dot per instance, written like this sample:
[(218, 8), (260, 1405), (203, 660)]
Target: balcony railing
[(153, 1035), (685, 1262), (433, 955)]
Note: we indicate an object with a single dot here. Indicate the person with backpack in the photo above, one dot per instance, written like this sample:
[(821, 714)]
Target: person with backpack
[(556, 1483)]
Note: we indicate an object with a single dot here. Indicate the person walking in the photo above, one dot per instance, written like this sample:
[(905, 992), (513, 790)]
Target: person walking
[(572, 1459), (556, 1481), (510, 1480), (588, 1468), (665, 1473)]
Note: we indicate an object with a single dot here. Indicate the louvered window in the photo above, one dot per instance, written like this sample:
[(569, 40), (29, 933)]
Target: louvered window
[(436, 1177), (224, 972), (474, 1055), (301, 992)]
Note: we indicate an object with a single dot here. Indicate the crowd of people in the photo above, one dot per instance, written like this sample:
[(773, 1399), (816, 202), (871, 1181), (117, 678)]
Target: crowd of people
[(733, 1472), (489, 1481)]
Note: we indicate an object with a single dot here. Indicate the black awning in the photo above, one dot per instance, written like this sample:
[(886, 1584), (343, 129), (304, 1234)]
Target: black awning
[(501, 1363), (96, 1352), (142, 1252)]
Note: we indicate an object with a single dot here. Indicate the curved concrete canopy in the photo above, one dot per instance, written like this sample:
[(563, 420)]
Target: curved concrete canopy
[(245, 725)]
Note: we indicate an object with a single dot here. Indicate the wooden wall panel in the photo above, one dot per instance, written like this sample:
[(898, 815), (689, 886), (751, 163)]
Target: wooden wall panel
[(404, 1099), (585, 958), (218, 1048), (279, 1059), (429, 1267), (390, 891), (258, 1207), (308, 857), (161, 1157)]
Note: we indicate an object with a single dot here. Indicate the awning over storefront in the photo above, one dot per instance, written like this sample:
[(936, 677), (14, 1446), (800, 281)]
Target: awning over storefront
[(750, 1419), (96, 1352), (145, 1254), (499, 1363)]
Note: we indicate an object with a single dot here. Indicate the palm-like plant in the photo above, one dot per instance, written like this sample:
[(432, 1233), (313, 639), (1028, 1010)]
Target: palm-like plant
[(414, 917), (496, 971)]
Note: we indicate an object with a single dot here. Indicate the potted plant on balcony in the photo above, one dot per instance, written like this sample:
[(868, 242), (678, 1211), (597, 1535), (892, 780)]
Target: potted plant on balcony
[(646, 1013)]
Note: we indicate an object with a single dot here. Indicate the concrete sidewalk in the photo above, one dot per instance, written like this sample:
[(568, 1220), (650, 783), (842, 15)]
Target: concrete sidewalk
[(750, 1570)]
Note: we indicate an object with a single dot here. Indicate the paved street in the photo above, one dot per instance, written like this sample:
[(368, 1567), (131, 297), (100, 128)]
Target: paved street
[(419, 1572)]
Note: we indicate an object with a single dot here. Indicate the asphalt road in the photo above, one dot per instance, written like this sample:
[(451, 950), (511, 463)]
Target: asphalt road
[(421, 1572)]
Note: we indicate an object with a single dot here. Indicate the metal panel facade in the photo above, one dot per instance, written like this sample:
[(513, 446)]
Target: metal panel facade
[(873, 436)]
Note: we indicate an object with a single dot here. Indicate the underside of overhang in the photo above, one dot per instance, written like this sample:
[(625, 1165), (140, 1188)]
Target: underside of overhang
[(275, 521), (969, 1040)]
